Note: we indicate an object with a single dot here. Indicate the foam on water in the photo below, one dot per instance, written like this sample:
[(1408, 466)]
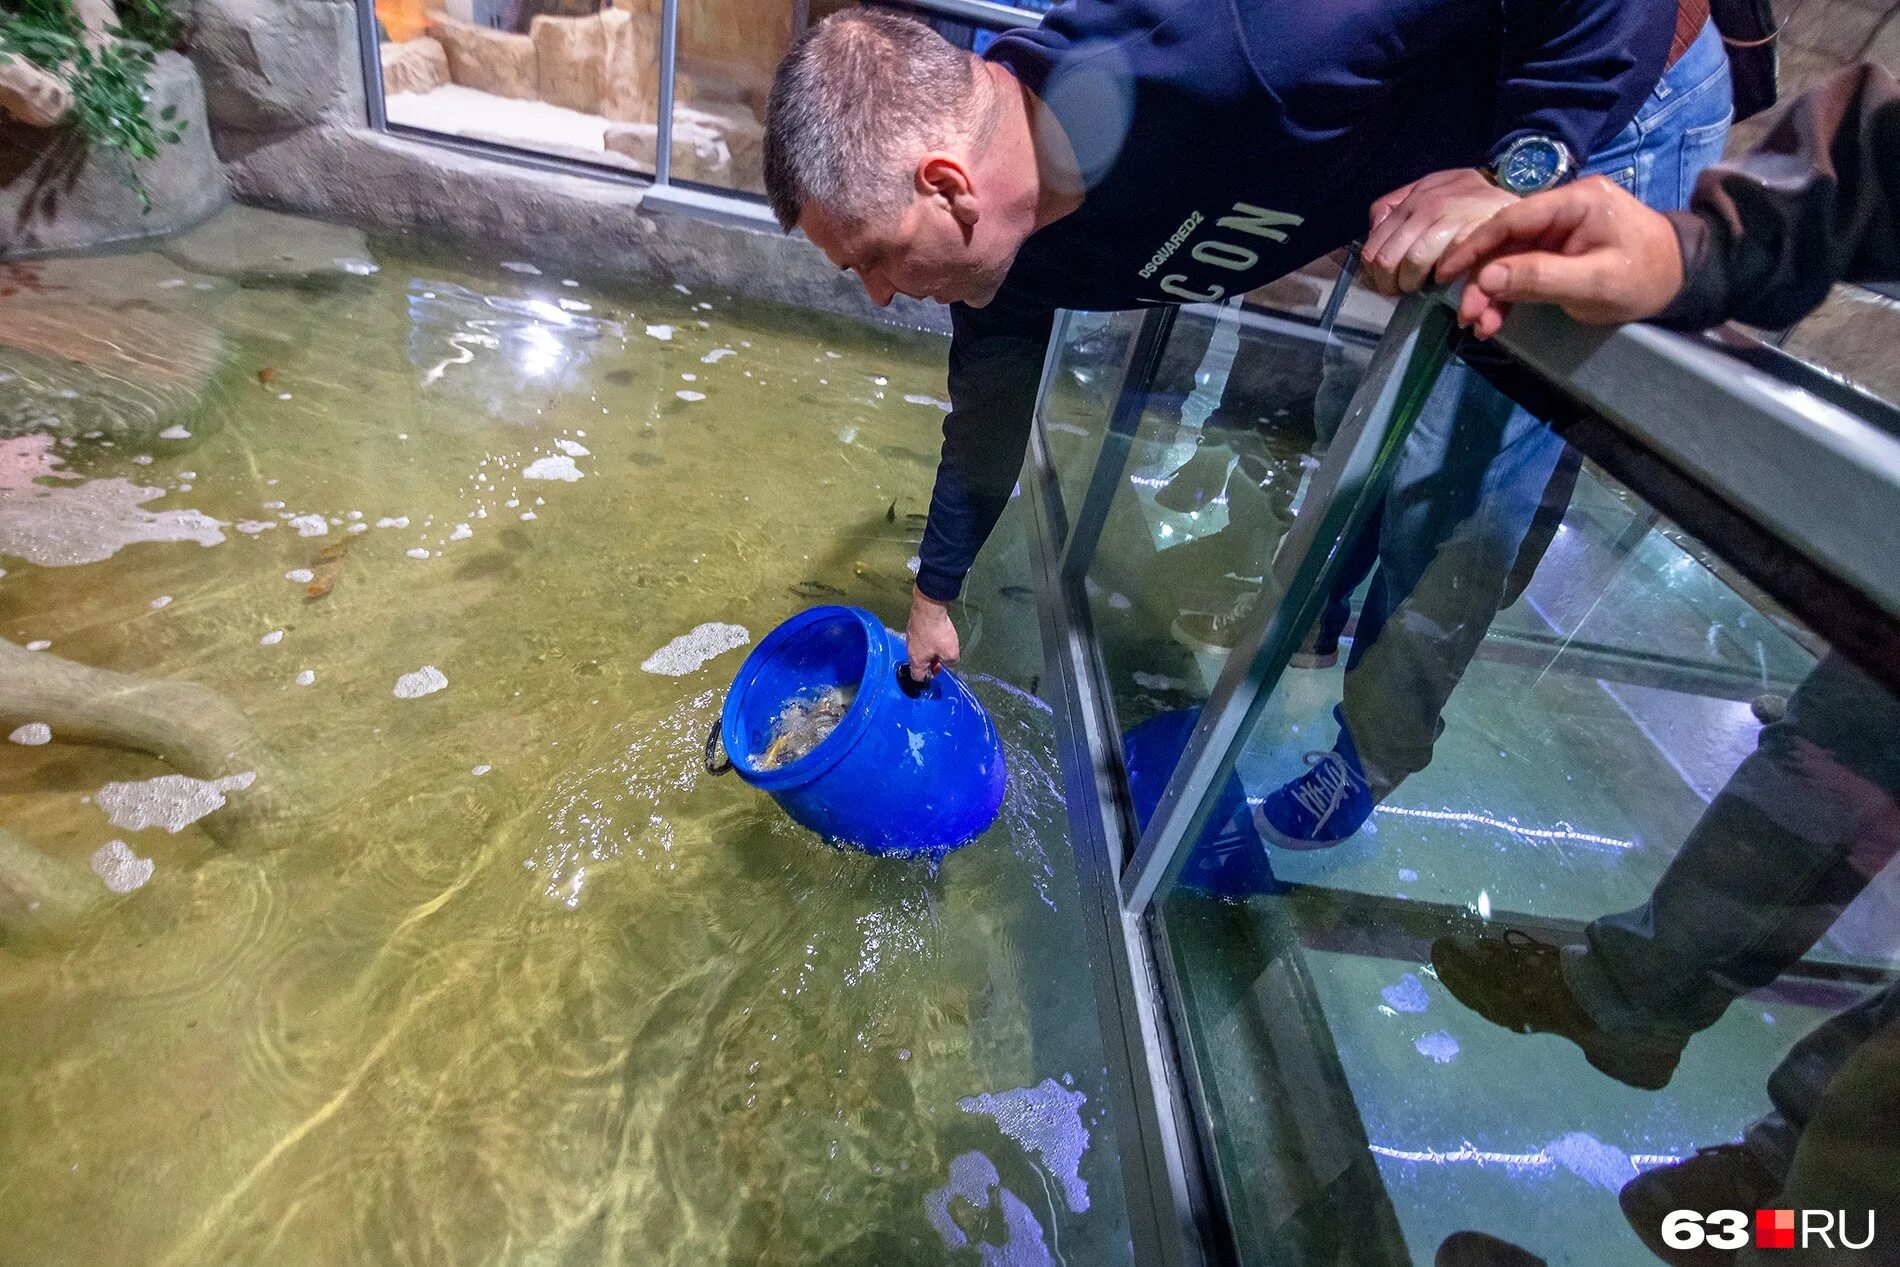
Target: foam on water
[(310, 525), (932, 401), (174, 433), (552, 468), (573, 448), (1045, 1119), (717, 355), (690, 395), (972, 1175), (664, 333), (1440, 1047), (426, 680), (693, 648), (1589, 1158), (1407, 996), (305, 677), (90, 522), (33, 734), (121, 869), (302, 576), (171, 801)]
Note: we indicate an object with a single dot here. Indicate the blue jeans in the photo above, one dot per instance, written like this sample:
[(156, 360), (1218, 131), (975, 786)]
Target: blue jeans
[(1474, 471)]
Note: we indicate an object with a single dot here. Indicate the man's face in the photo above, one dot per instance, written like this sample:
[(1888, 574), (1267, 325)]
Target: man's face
[(930, 249)]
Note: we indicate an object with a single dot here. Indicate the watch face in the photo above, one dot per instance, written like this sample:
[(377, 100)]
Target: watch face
[(1532, 164)]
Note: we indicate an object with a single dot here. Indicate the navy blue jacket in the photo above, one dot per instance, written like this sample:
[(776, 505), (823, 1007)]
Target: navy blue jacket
[(1228, 142)]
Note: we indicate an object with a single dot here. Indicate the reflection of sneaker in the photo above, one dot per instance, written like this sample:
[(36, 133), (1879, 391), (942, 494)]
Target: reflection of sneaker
[(1197, 481), (1319, 651), (1214, 633), (1476, 1249), (1726, 1177), (1518, 982), (1322, 807)]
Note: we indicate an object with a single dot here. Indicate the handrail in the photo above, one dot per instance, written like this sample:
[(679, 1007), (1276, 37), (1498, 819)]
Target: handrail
[(1822, 478)]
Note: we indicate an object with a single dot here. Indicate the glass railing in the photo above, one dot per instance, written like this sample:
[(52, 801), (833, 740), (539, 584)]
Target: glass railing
[(1499, 811)]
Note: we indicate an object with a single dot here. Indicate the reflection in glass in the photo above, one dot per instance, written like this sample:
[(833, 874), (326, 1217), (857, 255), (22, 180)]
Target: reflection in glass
[(1622, 943)]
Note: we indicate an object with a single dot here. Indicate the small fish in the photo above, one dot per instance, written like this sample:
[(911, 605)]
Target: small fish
[(1021, 593), (620, 378), (335, 550), (816, 589), (890, 516), (321, 586), (267, 376)]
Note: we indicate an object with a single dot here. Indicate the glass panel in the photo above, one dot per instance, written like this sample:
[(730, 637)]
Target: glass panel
[(1207, 492), (1092, 353), (572, 78), (1545, 903)]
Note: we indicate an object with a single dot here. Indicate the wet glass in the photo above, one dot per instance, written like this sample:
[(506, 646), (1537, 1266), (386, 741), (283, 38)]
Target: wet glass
[(1576, 864)]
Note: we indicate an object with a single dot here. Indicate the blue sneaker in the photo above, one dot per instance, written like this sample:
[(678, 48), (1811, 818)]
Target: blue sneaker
[(1324, 806)]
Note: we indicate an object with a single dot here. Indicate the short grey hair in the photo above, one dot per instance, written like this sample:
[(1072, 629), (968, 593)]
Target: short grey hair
[(857, 96)]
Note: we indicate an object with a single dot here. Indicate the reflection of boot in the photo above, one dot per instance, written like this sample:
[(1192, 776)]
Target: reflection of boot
[(1518, 982), (1476, 1249), (1198, 481), (1726, 1177)]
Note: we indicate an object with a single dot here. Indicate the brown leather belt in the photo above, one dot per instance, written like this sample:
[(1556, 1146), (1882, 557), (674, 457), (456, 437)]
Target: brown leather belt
[(1690, 17)]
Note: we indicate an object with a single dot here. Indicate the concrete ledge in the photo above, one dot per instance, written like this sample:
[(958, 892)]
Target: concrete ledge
[(373, 178)]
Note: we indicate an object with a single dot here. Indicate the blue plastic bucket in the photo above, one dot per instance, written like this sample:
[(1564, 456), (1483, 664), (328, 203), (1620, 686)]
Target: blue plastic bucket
[(1231, 860), (909, 768)]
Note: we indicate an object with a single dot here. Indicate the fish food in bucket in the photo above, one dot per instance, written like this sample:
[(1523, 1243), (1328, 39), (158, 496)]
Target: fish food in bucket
[(825, 718)]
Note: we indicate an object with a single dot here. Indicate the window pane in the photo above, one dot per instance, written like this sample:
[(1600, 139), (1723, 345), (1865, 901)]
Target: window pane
[(575, 79)]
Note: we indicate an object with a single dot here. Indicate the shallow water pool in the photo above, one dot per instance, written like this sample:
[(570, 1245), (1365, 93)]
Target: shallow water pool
[(480, 966)]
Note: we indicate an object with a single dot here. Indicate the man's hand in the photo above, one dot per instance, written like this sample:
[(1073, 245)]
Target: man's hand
[(1412, 226), (930, 637), (1590, 248)]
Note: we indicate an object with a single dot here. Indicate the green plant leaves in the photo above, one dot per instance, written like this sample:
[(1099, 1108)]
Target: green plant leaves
[(110, 84)]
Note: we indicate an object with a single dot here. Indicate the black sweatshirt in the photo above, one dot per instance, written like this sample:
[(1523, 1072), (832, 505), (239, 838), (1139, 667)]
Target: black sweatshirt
[(1228, 142), (1818, 201)]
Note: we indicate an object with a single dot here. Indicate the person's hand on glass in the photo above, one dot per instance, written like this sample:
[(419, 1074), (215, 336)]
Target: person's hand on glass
[(1589, 247), (929, 636), (1414, 225)]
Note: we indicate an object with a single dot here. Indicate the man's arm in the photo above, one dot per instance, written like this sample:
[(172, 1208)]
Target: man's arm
[(1575, 70), (1817, 201), (1766, 235), (996, 356)]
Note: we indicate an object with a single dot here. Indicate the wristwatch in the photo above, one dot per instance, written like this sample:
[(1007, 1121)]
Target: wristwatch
[(1532, 164)]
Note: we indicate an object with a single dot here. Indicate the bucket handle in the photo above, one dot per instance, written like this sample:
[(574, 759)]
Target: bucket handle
[(722, 763), (913, 688)]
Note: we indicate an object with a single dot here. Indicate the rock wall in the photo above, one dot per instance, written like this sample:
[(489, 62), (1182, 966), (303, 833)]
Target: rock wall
[(57, 194), (372, 178), (273, 66)]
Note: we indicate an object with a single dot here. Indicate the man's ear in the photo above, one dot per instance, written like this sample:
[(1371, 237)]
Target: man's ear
[(943, 176)]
